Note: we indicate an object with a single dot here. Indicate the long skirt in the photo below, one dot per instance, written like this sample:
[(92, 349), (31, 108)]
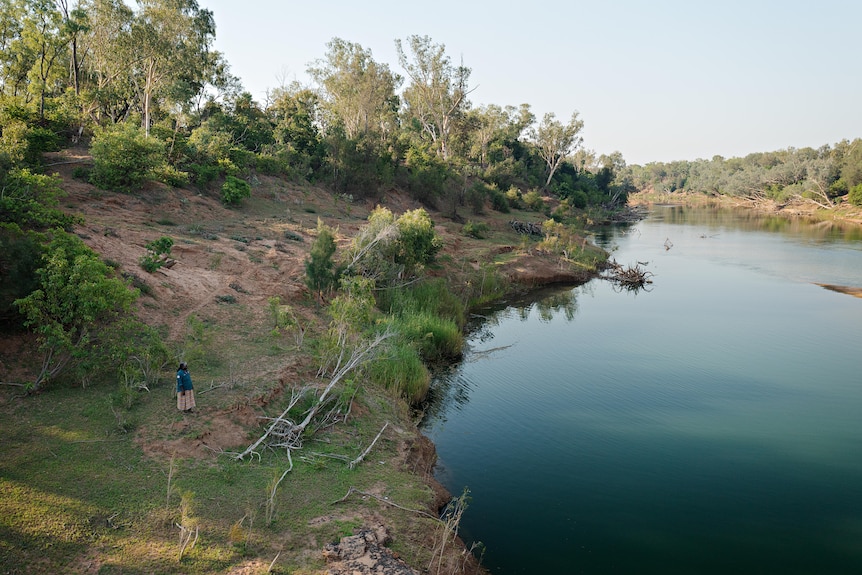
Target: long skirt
[(187, 401)]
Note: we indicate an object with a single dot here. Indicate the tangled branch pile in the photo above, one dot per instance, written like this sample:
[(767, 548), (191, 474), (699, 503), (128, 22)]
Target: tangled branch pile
[(630, 278)]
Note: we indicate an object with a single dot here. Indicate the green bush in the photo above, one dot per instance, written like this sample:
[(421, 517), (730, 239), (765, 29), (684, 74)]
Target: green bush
[(31, 201), (498, 200), (418, 241), (533, 201), (475, 230), (157, 254), (124, 157), (854, 196), (171, 176), (233, 190)]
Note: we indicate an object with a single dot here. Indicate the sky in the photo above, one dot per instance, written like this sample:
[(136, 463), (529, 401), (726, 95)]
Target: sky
[(656, 80)]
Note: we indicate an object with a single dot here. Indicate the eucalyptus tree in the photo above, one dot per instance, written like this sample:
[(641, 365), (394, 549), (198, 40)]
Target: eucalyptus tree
[(32, 39), (556, 141), (75, 25), (107, 55), (492, 123), (356, 90), (13, 65), (436, 96), (173, 60)]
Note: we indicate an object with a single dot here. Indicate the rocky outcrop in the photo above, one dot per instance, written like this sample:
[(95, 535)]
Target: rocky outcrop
[(364, 554)]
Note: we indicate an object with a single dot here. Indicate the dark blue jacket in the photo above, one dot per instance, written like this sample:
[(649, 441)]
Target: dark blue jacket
[(184, 380)]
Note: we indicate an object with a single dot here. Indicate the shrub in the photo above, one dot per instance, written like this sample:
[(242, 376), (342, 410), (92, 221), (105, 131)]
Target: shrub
[(475, 230), (854, 196), (418, 241), (533, 201), (124, 157), (203, 174), (498, 200), (233, 190), (171, 176), (513, 197), (157, 254)]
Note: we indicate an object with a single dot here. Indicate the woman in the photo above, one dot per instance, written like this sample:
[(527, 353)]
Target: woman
[(185, 392)]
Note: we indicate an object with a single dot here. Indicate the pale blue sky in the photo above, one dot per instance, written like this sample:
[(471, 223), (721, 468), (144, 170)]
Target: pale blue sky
[(658, 80)]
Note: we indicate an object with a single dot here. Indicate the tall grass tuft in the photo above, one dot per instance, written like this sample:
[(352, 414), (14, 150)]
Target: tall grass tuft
[(435, 338), (401, 370), (432, 296)]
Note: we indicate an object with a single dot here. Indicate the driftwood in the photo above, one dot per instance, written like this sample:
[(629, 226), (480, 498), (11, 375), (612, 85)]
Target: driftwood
[(527, 228), (631, 278)]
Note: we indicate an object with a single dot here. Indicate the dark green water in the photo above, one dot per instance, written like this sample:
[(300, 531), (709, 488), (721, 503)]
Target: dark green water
[(710, 425)]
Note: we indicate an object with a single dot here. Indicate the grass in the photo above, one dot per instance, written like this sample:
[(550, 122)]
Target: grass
[(72, 487), (78, 489)]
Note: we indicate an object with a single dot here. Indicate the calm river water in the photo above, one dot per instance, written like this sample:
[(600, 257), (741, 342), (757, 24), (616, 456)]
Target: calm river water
[(712, 424)]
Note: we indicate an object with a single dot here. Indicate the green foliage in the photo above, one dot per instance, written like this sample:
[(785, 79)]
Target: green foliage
[(320, 273), (157, 255), (854, 196), (20, 257), (388, 249), (23, 138), (171, 176), (418, 241), (77, 298), (233, 190), (124, 157), (533, 201), (476, 230), (30, 200), (514, 198), (427, 175), (432, 296), (436, 338), (400, 369)]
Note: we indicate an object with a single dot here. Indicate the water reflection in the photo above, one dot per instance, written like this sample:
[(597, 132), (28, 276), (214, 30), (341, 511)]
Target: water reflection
[(751, 221)]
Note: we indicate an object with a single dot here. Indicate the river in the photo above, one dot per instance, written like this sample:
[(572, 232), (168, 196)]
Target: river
[(709, 424)]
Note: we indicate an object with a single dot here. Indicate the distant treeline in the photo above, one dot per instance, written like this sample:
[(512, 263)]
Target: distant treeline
[(147, 83), (826, 176)]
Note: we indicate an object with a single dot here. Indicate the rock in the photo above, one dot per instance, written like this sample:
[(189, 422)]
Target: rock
[(364, 554)]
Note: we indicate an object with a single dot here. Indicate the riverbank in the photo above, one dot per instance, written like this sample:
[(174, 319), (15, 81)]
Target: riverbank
[(842, 213), (131, 468)]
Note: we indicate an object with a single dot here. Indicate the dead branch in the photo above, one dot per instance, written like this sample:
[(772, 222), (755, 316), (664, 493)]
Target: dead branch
[(287, 434), (631, 278), (359, 459), (353, 490), (295, 396)]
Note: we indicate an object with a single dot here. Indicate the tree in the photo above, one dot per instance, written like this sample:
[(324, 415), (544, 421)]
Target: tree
[(555, 141), (490, 123), (357, 91), (77, 300), (74, 26), (43, 44), (438, 90), (172, 40), (320, 274)]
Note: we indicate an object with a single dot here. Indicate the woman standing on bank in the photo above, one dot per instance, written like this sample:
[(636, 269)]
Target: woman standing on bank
[(185, 392)]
